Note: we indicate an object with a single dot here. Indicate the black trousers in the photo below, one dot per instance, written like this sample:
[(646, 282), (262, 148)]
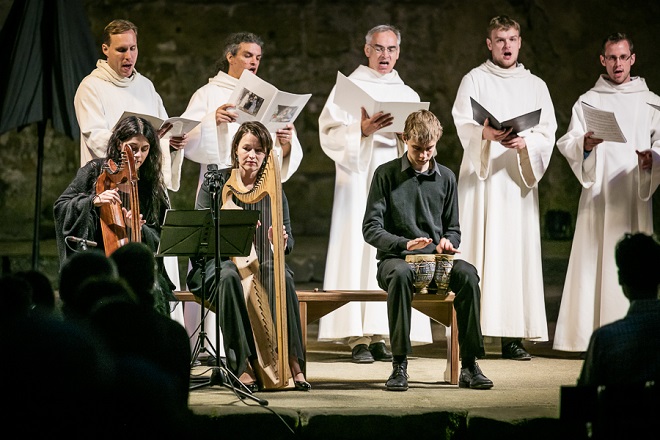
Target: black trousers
[(396, 277)]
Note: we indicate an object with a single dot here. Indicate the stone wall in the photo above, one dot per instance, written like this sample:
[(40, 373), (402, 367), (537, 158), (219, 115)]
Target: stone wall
[(306, 43)]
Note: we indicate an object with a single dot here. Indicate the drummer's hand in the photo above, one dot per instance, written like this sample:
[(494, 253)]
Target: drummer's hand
[(418, 243), (445, 247)]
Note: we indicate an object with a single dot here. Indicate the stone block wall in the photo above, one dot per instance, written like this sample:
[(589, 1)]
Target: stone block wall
[(306, 43)]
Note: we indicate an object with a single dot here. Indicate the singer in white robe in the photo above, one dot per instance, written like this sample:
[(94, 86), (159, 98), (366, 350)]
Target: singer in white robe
[(102, 97), (210, 143), (616, 199), (498, 198), (351, 262)]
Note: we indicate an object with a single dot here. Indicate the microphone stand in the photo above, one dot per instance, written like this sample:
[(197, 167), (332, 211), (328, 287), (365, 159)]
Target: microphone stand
[(220, 374)]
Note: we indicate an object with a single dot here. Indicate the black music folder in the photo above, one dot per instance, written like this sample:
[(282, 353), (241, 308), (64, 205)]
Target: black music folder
[(519, 123), (192, 232)]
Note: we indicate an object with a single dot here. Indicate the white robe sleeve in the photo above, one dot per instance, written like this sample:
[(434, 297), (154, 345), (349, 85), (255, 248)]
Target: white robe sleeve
[(540, 140), (469, 131), (94, 129), (571, 146), (341, 137)]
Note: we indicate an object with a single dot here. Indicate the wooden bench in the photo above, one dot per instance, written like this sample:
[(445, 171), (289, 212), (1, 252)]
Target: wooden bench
[(314, 304)]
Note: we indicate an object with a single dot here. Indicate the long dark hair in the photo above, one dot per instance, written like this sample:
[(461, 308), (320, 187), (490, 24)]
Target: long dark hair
[(150, 184)]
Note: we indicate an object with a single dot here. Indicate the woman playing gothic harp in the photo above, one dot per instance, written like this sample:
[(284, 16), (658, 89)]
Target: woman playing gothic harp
[(251, 146), (76, 211)]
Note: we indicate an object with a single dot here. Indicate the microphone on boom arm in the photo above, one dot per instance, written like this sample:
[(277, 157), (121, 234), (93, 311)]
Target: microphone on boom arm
[(81, 241)]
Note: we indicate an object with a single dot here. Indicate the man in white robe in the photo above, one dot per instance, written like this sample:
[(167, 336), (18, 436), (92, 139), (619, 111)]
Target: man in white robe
[(618, 181), (357, 151), (210, 141), (498, 189), (106, 93)]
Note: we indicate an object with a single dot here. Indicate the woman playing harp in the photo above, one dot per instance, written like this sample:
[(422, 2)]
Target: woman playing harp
[(77, 210), (251, 146)]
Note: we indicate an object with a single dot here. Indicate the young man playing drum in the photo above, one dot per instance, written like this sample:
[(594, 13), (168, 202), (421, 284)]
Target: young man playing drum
[(413, 208)]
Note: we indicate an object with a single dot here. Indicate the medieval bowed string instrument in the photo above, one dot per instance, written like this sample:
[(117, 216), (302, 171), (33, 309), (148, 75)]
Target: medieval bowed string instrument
[(123, 176)]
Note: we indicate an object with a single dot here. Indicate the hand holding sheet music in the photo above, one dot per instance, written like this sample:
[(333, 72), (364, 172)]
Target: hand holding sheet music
[(351, 98), (602, 123), (517, 124)]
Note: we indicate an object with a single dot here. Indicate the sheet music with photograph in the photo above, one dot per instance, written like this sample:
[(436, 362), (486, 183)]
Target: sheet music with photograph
[(602, 123), (180, 125), (257, 100), (351, 97), (518, 124)]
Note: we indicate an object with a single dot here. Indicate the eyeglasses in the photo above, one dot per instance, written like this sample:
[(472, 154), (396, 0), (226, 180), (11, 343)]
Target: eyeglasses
[(613, 58), (381, 49)]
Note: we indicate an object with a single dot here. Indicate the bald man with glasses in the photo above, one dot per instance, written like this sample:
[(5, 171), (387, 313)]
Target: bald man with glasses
[(357, 150), (618, 181)]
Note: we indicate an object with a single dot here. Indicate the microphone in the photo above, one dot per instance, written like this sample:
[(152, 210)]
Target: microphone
[(211, 175), (82, 241)]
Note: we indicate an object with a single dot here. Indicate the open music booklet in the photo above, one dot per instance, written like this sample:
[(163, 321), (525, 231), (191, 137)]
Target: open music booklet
[(351, 97), (518, 124), (180, 125), (602, 123), (257, 100)]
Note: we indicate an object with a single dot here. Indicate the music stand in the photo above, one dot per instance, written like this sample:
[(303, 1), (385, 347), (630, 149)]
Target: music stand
[(192, 233)]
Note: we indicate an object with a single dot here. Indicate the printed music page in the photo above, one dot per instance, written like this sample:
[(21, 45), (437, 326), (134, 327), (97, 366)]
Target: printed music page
[(350, 97), (257, 100), (180, 125), (602, 123), (518, 124)]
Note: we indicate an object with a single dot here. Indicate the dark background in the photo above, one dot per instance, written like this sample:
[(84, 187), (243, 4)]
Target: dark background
[(306, 43)]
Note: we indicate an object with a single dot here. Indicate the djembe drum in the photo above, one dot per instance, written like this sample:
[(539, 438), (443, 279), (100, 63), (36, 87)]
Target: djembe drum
[(423, 267), (443, 266)]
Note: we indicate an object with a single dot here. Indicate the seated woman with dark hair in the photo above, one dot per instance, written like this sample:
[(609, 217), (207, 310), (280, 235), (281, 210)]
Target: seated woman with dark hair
[(78, 210)]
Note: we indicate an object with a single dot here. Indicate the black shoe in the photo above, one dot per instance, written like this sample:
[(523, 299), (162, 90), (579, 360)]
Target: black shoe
[(398, 380), (379, 352), (515, 350), (472, 377), (361, 354), (252, 387), (302, 385)]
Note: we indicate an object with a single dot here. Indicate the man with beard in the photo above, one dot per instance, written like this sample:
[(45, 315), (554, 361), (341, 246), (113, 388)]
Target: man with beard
[(618, 181), (498, 189)]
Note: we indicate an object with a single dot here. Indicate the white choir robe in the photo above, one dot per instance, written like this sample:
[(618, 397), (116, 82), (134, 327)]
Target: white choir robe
[(498, 199), (616, 199)]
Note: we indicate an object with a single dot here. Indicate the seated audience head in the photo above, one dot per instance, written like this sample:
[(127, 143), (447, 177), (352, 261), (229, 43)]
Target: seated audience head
[(75, 270), (15, 298), (637, 256), (43, 294), (136, 264)]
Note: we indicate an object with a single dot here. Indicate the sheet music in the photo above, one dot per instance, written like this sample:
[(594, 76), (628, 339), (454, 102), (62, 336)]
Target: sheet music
[(257, 100), (351, 97), (180, 125), (602, 123), (518, 124)]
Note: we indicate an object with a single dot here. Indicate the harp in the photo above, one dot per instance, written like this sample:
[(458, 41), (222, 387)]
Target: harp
[(263, 273)]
